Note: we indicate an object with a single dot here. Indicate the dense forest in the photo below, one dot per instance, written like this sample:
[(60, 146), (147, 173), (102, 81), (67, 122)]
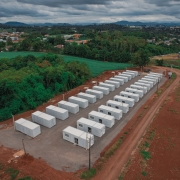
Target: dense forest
[(26, 82)]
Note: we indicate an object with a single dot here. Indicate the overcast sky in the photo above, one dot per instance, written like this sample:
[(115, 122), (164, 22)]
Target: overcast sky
[(78, 11)]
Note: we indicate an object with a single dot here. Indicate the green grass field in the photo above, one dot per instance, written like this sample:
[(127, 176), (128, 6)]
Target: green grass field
[(96, 67), (14, 54)]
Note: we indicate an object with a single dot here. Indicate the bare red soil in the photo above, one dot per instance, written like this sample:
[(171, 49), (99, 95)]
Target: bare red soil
[(164, 146)]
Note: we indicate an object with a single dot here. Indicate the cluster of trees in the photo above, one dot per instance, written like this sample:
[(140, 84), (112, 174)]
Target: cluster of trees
[(109, 46), (26, 82)]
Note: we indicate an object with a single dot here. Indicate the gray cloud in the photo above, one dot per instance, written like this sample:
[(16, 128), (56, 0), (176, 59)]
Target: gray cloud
[(72, 11)]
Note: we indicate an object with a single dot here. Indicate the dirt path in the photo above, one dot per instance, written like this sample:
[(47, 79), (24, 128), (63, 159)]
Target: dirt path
[(113, 168)]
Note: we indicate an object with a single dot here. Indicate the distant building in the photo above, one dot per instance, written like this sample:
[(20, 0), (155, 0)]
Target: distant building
[(59, 46)]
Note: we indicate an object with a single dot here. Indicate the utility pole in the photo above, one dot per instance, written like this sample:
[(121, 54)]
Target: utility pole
[(23, 146), (13, 122)]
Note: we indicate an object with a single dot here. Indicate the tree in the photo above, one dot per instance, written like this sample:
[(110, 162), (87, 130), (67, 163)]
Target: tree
[(9, 41), (141, 58)]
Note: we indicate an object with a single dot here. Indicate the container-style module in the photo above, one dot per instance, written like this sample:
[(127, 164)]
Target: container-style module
[(44, 119), (122, 77), (110, 86), (91, 98), (78, 137), (83, 103), (153, 78), (27, 127), (130, 95), (95, 128), (144, 89), (117, 84), (135, 91), (118, 105), (71, 107), (121, 81), (57, 112), (148, 79), (102, 118), (102, 89), (125, 75), (124, 100), (146, 82), (129, 73), (117, 113), (135, 72), (143, 85), (98, 94), (158, 74)]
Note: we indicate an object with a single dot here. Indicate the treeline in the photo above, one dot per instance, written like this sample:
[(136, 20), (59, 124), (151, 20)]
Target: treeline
[(117, 46), (26, 82)]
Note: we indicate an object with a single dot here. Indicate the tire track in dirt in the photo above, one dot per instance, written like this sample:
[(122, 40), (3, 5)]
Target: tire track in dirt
[(113, 167)]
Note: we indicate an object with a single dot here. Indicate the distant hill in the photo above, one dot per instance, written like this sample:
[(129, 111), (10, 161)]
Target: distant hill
[(16, 24), (137, 23), (122, 23)]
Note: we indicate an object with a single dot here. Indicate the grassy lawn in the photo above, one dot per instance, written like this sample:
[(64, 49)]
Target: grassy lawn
[(96, 67), (14, 54)]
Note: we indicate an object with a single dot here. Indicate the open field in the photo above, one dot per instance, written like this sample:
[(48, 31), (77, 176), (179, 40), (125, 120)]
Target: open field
[(167, 57), (96, 67), (14, 54)]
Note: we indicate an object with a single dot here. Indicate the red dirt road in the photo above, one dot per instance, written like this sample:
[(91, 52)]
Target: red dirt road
[(114, 166)]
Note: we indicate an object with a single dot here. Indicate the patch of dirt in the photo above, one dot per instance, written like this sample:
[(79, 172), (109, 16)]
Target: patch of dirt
[(167, 57), (164, 145)]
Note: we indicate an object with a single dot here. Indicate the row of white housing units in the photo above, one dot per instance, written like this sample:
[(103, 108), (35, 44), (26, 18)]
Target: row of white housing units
[(48, 119), (106, 115)]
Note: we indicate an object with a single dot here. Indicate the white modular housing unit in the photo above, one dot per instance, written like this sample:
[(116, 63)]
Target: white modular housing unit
[(102, 118), (148, 79), (125, 75), (144, 89), (129, 73), (90, 126), (44, 119), (135, 72), (153, 78), (98, 94), (27, 127), (110, 86), (118, 105), (124, 100), (71, 107), (57, 112), (122, 77), (102, 89), (117, 84), (159, 74), (117, 113), (135, 91), (143, 85), (121, 81), (91, 98), (130, 95), (78, 137), (83, 103), (146, 82)]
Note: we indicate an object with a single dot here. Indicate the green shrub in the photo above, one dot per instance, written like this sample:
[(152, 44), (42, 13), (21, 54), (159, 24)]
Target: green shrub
[(25, 178), (146, 155), (13, 173), (88, 174)]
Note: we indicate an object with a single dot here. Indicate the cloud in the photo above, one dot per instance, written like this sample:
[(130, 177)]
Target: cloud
[(72, 11)]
